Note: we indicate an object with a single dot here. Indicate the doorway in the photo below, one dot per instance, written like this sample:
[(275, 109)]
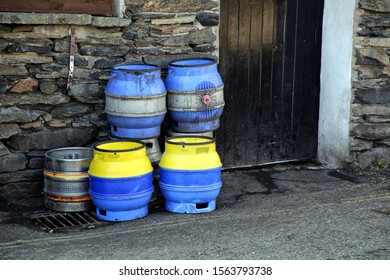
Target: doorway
[(270, 59)]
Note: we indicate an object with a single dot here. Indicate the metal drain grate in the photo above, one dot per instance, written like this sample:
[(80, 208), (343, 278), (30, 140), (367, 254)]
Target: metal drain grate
[(51, 222)]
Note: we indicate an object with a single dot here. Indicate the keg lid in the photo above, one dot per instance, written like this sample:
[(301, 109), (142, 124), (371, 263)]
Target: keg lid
[(70, 153), (135, 67), (190, 140), (120, 146), (193, 62)]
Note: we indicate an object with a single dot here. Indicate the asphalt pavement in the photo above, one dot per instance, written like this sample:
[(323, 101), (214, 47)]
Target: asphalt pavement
[(280, 212)]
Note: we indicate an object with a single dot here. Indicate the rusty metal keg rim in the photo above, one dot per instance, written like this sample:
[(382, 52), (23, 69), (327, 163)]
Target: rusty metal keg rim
[(122, 150), (212, 61), (211, 140), (48, 153), (136, 71)]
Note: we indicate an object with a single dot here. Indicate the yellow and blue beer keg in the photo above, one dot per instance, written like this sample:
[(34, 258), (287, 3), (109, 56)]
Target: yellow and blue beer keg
[(153, 152), (121, 180), (190, 174)]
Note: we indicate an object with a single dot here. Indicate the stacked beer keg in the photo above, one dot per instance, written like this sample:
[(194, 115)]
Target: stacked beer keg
[(195, 97), (125, 173), (189, 170), (136, 107), (124, 169)]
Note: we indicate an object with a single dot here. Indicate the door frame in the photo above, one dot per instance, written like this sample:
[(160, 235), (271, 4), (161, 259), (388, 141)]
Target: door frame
[(298, 132), (336, 82)]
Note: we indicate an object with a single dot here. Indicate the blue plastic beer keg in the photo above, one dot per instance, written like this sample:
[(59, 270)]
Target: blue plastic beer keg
[(135, 101), (195, 94)]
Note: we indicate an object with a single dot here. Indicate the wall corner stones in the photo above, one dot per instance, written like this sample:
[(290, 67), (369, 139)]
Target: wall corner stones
[(370, 121), (208, 18)]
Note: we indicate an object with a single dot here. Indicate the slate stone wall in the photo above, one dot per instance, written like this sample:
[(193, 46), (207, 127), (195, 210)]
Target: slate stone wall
[(38, 113), (370, 112)]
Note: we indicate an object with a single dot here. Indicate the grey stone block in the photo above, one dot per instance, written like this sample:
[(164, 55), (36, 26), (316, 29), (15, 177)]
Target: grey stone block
[(45, 18), (15, 70), (375, 5), (367, 158), (50, 139), (31, 99), (380, 95), (204, 48), (24, 58), (70, 109), (21, 176), (198, 37), (63, 59), (372, 56), (376, 20), (110, 51), (3, 149), (22, 190), (110, 21), (106, 63), (9, 129), (87, 92), (208, 18), (48, 87), (19, 115), (19, 48), (12, 162), (371, 131)]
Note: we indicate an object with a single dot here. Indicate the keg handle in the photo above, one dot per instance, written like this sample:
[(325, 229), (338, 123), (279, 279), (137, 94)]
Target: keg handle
[(56, 166), (203, 150), (206, 86), (149, 146)]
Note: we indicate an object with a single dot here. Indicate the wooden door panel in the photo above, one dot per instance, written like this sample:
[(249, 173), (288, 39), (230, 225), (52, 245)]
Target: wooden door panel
[(269, 60)]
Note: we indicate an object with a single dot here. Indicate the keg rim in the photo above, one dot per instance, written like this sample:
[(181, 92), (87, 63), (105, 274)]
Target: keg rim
[(48, 153), (192, 134), (122, 150), (155, 67), (212, 61), (211, 140), (117, 138)]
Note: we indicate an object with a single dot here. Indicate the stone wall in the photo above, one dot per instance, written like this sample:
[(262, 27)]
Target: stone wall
[(370, 123), (39, 113)]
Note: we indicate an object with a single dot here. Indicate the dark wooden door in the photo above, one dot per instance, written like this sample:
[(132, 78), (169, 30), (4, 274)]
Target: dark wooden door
[(270, 54)]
